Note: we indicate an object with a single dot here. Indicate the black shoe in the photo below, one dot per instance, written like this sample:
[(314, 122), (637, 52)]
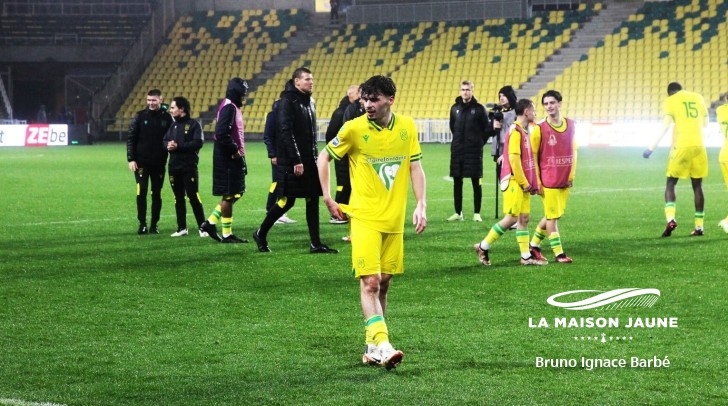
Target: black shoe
[(262, 244), (211, 230), (671, 225), (232, 239), (322, 249), (142, 229), (154, 230)]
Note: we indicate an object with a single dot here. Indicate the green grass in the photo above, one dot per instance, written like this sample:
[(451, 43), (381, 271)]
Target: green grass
[(93, 314)]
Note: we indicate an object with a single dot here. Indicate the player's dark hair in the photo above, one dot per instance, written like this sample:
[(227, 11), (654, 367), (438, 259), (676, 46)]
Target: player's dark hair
[(379, 85), (300, 71), (522, 105), (551, 93), (155, 92), (673, 88), (184, 104)]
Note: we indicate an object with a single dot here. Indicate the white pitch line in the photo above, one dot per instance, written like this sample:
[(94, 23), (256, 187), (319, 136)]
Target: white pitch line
[(20, 402)]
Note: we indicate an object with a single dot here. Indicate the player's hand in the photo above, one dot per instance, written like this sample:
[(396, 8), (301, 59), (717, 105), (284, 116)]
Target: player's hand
[(419, 218), (499, 161), (171, 146), (497, 124), (298, 170), (133, 166), (646, 154), (274, 161), (334, 208)]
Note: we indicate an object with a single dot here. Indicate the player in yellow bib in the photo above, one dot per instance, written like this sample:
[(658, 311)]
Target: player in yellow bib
[(688, 157), (384, 155), (722, 117)]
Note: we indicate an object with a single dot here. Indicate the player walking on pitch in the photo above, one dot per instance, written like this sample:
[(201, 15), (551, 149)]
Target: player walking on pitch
[(384, 155), (518, 182), (554, 149), (688, 157)]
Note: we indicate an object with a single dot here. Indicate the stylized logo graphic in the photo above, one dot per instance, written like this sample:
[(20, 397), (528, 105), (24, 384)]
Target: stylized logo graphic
[(614, 299), (403, 135), (387, 171), (552, 140), (366, 137), (335, 142)]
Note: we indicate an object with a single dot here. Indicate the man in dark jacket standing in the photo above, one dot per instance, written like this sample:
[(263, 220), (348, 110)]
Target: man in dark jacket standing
[(184, 141), (297, 174), (343, 183), (147, 157), (228, 162), (470, 131)]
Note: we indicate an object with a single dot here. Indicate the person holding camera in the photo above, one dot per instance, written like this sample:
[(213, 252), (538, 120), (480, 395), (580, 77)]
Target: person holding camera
[(470, 131), (503, 116)]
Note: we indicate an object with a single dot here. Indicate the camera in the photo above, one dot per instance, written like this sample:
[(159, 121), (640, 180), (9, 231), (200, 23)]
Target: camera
[(496, 113)]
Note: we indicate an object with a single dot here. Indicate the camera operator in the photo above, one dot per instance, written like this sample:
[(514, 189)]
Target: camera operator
[(502, 116)]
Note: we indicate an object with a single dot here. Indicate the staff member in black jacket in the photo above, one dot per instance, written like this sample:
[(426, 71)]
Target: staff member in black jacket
[(147, 157), (297, 173), (184, 141), (343, 183), (470, 130)]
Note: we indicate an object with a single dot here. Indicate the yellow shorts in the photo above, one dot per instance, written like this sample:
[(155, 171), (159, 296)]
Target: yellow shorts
[(554, 202), (374, 252), (724, 169), (515, 200), (688, 162)]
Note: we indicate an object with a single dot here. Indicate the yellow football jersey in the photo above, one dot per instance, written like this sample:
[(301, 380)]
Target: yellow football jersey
[(721, 114), (379, 169), (687, 110)]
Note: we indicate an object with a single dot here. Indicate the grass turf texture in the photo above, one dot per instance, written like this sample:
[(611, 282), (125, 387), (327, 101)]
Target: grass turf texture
[(91, 313)]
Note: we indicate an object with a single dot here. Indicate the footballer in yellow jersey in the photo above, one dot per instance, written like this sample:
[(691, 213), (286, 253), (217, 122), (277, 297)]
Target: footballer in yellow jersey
[(722, 118), (384, 156), (688, 157)]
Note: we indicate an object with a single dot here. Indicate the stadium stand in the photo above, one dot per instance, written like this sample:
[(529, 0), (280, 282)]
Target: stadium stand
[(73, 23), (428, 60), (204, 50), (626, 75)]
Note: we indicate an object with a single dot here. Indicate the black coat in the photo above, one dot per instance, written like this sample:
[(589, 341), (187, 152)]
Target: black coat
[(187, 133), (145, 143), (228, 173), (296, 144), (470, 130)]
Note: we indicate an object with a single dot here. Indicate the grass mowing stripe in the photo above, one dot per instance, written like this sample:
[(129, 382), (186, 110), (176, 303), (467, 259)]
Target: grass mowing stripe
[(18, 402)]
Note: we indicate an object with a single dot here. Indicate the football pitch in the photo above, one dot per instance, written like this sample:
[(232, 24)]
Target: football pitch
[(93, 314)]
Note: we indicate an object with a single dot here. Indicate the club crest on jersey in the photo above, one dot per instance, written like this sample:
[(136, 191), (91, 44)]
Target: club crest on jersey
[(403, 135)]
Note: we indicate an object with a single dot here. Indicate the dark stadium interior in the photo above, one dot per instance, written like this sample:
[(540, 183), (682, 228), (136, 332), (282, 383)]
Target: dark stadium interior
[(91, 62)]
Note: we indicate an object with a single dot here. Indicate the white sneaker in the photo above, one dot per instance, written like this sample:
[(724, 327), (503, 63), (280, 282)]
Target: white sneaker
[(476, 218), (204, 234), (371, 356), (456, 217), (334, 220), (390, 357), (285, 220), (180, 233), (724, 225)]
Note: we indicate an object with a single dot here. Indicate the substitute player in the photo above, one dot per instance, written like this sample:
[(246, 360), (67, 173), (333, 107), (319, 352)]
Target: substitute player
[(554, 148), (518, 182), (722, 116), (688, 157), (384, 155)]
